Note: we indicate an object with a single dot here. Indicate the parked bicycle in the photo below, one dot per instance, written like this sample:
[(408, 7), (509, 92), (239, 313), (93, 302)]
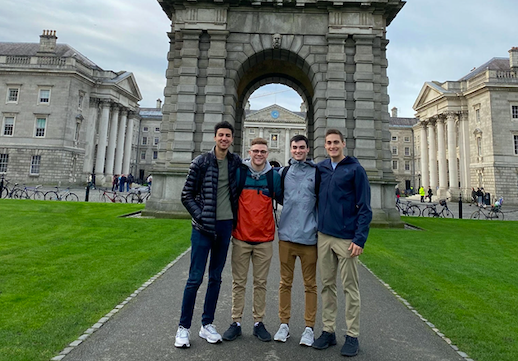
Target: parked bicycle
[(138, 195), (30, 193), (408, 209), (109, 196), (58, 195), (494, 212), (431, 210), (15, 192)]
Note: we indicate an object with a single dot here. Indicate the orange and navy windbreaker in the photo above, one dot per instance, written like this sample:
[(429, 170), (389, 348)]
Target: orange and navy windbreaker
[(255, 221)]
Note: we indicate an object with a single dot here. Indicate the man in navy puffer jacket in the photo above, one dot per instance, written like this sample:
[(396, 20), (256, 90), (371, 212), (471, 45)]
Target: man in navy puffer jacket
[(344, 215)]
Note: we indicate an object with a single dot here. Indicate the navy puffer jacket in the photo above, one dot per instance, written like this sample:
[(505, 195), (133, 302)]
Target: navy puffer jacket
[(199, 194)]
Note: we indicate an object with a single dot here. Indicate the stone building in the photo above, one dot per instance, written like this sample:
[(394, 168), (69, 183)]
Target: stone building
[(403, 152), (148, 141), (467, 134), (62, 116), (277, 125)]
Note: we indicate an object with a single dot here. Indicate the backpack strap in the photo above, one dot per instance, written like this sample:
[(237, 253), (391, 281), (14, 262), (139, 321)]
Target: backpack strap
[(318, 178)]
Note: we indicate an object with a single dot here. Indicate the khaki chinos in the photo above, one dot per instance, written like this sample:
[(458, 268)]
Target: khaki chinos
[(333, 255), (288, 253), (261, 256)]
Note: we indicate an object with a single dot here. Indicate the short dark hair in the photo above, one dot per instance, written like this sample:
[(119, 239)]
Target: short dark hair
[(335, 131), (224, 124), (298, 138)]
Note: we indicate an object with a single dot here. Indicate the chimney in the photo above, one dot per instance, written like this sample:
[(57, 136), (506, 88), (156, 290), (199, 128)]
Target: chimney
[(513, 59), (394, 112), (48, 42), (158, 104)]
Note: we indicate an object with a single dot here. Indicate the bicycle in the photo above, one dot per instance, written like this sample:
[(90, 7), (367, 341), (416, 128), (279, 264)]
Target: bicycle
[(408, 209), (431, 210), (58, 196), (111, 196), (135, 196), (16, 192), (31, 193), (495, 212)]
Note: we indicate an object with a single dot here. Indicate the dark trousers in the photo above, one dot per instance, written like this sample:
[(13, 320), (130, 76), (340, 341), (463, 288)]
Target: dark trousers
[(201, 246)]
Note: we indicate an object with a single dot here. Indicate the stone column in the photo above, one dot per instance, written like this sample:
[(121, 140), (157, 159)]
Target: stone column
[(452, 156), (112, 142), (425, 168), (214, 106), (101, 145), (128, 142), (91, 123), (365, 148), (465, 175), (119, 151), (441, 148), (432, 151), (335, 111), (184, 125)]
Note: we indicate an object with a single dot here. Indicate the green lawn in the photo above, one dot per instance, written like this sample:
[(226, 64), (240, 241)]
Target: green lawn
[(459, 274), (64, 265)]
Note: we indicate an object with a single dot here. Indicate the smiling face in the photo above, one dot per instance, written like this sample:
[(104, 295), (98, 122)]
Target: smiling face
[(335, 147), (223, 139), (258, 156), (299, 150)]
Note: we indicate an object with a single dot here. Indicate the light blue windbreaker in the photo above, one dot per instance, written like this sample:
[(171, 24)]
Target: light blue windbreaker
[(298, 221)]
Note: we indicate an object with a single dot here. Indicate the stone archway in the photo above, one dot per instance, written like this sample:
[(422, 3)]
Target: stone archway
[(332, 53)]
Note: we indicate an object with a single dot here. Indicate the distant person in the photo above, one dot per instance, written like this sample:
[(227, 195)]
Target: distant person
[(115, 182), (430, 194), (149, 180), (210, 196), (473, 195), (129, 182), (422, 193), (122, 182), (344, 216), (398, 194)]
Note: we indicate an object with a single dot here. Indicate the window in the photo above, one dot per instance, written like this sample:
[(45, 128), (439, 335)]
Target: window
[(144, 140), (145, 129), (394, 164), (12, 95), (407, 165), (394, 150), (8, 126), (514, 111), (155, 154), (40, 127), (157, 140), (407, 139), (35, 164), (143, 155), (44, 96), (515, 145), (78, 129), (477, 115), (251, 131), (157, 130), (394, 138), (274, 140), (407, 150), (4, 159)]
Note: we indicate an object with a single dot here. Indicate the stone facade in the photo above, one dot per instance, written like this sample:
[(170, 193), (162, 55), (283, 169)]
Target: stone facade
[(468, 131), (148, 141), (56, 109), (332, 53)]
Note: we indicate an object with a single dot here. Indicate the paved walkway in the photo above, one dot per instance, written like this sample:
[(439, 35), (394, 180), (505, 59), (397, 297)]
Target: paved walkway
[(145, 327)]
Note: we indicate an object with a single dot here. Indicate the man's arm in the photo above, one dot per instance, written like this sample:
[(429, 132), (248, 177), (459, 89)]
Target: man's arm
[(192, 188), (363, 203)]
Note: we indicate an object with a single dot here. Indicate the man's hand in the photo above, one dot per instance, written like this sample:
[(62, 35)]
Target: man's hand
[(355, 250)]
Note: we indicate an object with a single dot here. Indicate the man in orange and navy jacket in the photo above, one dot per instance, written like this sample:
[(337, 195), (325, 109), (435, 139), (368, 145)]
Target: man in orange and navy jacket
[(253, 238)]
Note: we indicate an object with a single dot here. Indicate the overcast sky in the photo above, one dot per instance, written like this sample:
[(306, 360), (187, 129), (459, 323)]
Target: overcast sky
[(429, 40)]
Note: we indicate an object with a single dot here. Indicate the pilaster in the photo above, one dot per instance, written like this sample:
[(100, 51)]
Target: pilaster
[(103, 141), (126, 163), (441, 147), (425, 164), (464, 151), (452, 155), (112, 141), (432, 151), (90, 132)]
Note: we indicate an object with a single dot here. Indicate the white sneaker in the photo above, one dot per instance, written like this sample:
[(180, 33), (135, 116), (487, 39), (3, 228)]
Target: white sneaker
[(209, 333), (308, 337), (182, 337), (283, 334)]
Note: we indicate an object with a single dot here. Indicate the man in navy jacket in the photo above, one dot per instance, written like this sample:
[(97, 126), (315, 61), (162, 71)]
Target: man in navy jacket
[(344, 215)]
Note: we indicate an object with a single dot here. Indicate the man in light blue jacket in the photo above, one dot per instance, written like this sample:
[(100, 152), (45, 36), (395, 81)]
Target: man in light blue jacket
[(298, 237)]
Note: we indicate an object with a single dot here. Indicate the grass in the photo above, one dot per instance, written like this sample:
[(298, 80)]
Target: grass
[(64, 265), (459, 274)]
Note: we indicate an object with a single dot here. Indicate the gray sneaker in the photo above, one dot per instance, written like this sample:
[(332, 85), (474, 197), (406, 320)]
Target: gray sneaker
[(308, 337), (283, 334), (209, 333), (182, 338)]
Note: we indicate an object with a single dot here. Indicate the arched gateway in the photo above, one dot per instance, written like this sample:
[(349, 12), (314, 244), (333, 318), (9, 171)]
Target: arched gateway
[(333, 53)]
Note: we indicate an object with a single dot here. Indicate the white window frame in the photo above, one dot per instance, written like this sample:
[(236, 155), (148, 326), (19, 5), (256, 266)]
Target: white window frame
[(407, 165), (36, 135), (407, 139), (514, 112), (4, 161), (145, 129), (143, 155), (156, 141), (407, 151), (81, 100), (394, 150), (4, 124), (394, 138), (8, 95), (394, 165), (251, 131), (274, 137), (35, 165), (40, 102), (144, 141), (157, 129), (477, 115), (155, 154)]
